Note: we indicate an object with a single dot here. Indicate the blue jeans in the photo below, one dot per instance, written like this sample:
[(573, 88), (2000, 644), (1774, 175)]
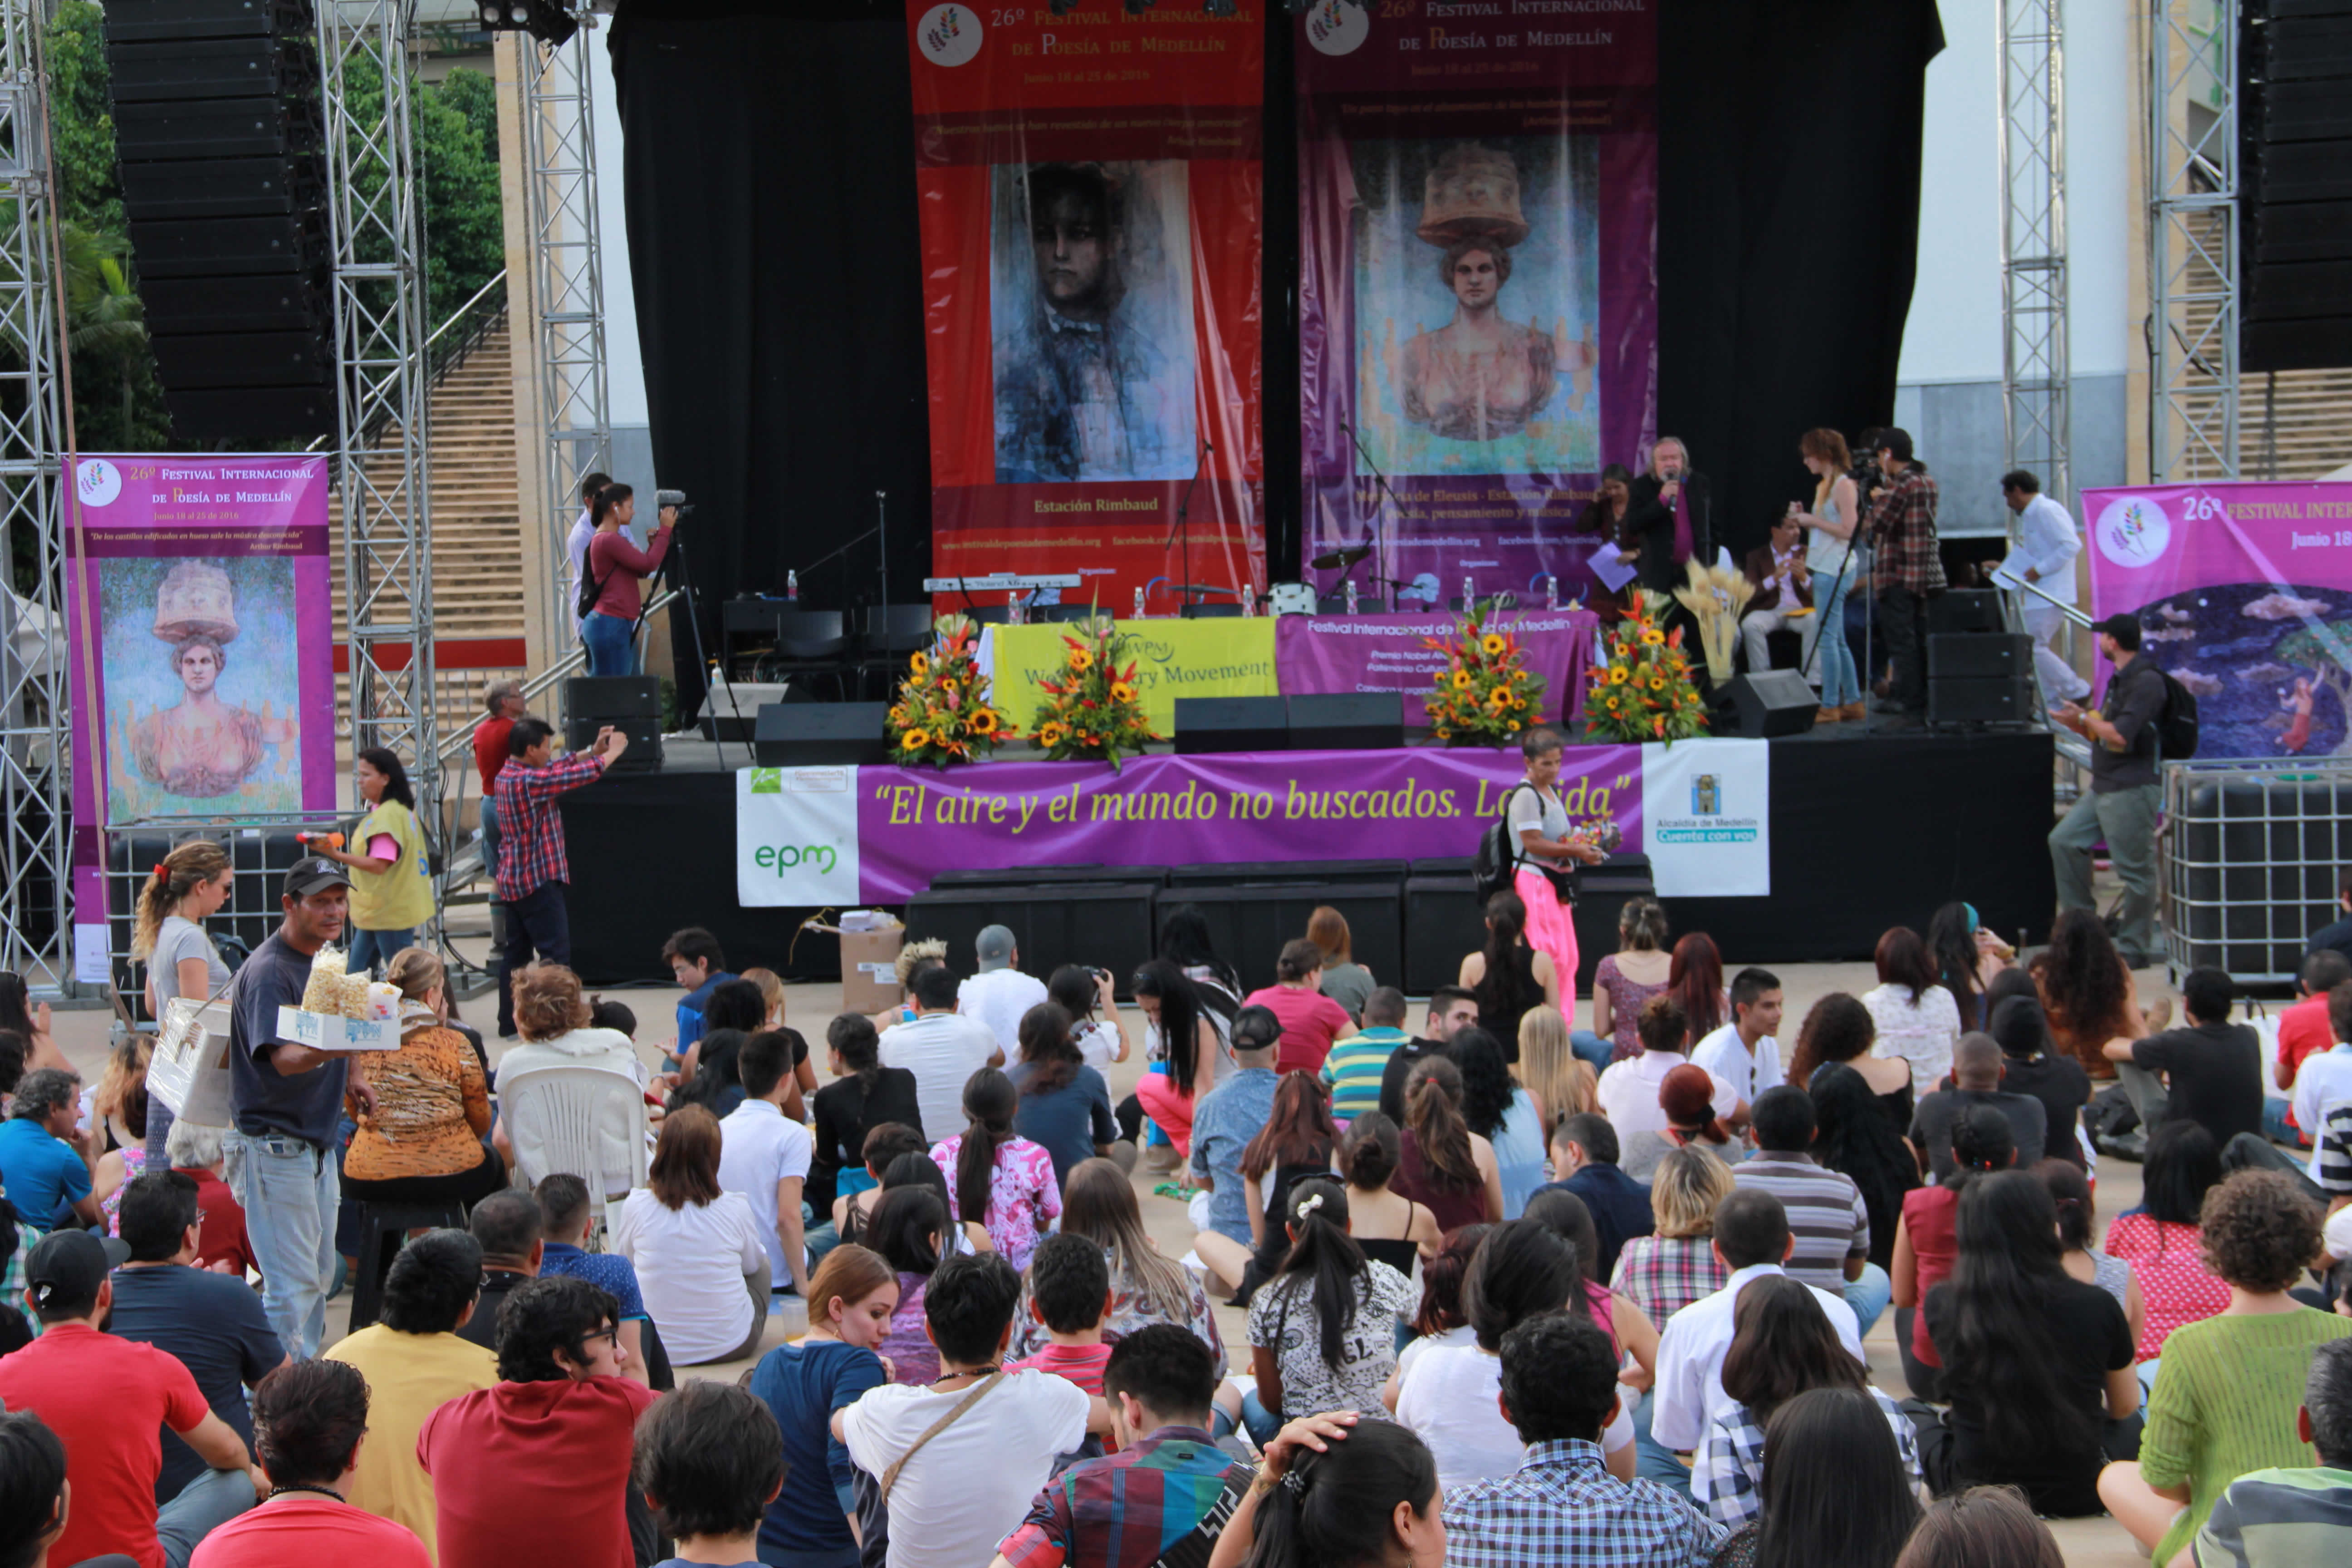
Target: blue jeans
[(610, 641), (290, 1190), (1833, 662), (1262, 1423), (203, 1505), (2276, 1127), (491, 840), (1652, 1461), (368, 946), (1591, 1049), (1868, 1297)]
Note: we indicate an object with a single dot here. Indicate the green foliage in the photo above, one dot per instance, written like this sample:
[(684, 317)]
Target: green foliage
[(81, 130), (458, 153)]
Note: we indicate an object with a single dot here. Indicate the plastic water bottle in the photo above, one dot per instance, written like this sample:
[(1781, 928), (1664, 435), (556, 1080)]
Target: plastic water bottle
[(1469, 598), (1352, 595), (793, 587), (1551, 591), (1139, 604), (1249, 602), (1015, 613)]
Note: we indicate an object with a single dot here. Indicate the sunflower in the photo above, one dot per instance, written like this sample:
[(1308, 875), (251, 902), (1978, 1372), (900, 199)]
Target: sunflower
[(1500, 700), (1652, 637), (1493, 642), (1461, 680), (920, 664), (1657, 683), (1443, 733), (1617, 675), (1610, 705), (1081, 660), (1121, 692), (983, 721), (1515, 726), (1050, 733), (915, 740)]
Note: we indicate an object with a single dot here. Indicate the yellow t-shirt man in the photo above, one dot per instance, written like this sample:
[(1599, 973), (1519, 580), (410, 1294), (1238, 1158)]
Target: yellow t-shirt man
[(401, 898), (409, 1377)]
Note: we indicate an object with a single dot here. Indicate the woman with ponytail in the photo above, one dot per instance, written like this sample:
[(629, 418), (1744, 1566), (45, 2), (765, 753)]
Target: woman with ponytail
[(1322, 1332), (167, 935), (1338, 1491), (1182, 1044), (616, 569), (1507, 976), (1441, 1163), (994, 1176), (1926, 1245)]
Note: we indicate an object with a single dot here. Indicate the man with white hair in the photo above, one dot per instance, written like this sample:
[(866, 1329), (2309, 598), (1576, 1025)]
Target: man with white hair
[(194, 1151), (1671, 516)]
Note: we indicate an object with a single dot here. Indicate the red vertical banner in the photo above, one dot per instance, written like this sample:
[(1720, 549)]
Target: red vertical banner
[(1091, 192)]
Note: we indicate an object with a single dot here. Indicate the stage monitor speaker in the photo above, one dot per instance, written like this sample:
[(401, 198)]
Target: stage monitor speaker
[(1978, 655), (1268, 873), (1230, 724), (1964, 610), (811, 734), (2295, 185), (1349, 720), (1104, 924), (629, 703), (1442, 921), (1769, 703), (1979, 699), (1250, 924)]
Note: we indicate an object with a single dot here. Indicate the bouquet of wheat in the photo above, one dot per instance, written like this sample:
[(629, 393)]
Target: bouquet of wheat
[(1715, 598)]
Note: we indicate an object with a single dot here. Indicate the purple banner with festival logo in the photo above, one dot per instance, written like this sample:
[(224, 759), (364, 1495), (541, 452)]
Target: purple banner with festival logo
[(1478, 290), (914, 823), (200, 620), (2244, 594), (1318, 654)]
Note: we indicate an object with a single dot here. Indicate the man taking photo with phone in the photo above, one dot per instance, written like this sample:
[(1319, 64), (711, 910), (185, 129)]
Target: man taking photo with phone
[(533, 871)]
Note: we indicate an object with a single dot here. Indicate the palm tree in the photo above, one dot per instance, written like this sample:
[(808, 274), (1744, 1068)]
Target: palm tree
[(106, 325)]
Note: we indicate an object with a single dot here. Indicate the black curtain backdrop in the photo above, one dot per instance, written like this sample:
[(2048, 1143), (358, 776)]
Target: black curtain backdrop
[(770, 179)]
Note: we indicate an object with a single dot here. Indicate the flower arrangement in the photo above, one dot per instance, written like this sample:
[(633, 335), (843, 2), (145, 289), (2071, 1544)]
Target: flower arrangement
[(941, 713), (1485, 694), (1092, 712), (1714, 597), (1644, 692)]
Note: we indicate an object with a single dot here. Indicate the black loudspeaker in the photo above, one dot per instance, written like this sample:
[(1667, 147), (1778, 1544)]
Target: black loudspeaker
[(1269, 873), (808, 734), (1232, 724), (1979, 699), (1979, 655), (1249, 925), (629, 703), (1964, 610), (220, 136), (1108, 925), (1353, 720), (2295, 185), (1771, 702), (1442, 921)]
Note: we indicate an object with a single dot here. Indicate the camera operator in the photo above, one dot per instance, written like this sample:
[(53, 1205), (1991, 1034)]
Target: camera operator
[(533, 871), (614, 594), (1908, 571)]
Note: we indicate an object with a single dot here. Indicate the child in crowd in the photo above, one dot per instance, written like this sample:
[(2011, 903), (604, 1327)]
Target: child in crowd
[(708, 1459), (1069, 1293)]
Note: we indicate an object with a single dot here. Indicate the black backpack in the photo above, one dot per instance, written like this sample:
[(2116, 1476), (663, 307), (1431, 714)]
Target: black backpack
[(2176, 722), (1496, 860)]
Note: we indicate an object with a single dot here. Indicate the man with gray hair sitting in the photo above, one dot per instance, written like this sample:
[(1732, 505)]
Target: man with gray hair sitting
[(194, 1151)]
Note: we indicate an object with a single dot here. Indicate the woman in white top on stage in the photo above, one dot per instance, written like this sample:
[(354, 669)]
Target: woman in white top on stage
[(1834, 558)]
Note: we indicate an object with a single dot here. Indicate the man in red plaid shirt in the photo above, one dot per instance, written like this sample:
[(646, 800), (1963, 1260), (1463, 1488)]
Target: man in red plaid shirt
[(532, 867), (1909, 571)]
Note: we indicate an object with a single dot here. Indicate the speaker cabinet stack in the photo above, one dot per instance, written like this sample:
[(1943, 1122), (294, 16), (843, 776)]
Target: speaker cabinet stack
[(816, 734), (2294, 184), (1980, 677), (221, 139), (629, 703)]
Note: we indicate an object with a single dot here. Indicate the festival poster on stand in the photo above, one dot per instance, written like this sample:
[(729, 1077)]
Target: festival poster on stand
[(1091, 196), (200, 622), (2245, 595), (1477, 289)]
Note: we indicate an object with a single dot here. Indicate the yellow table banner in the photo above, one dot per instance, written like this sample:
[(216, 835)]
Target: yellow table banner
[(1231, 657)]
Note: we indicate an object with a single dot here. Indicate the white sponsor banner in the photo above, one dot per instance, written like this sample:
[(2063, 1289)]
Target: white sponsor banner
[(795, 836), (1707, 818)]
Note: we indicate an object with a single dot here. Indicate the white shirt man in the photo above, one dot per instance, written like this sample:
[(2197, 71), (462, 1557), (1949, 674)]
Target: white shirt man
[(1743, 1052), (942, 1050), (2321, 1084), (999, 995), (1628, 1092), (2043, 555), (765, 1155)]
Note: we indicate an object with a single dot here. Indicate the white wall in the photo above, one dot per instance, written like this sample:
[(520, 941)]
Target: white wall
[(623, 367)]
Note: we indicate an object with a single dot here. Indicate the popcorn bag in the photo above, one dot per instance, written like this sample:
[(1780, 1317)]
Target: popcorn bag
[(343, 1012)]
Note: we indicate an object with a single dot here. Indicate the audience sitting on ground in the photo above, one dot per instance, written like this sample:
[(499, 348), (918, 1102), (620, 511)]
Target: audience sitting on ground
[(198, 1155), (1067, 1293), (887, 1144), (1310, 1020), (1584, 1159), (106, 1398), (1440, 1319), (1561, 1082), (1629, 1328), (2323, 1081), (422, 1145), (2224, 1403), (1967, 958), (913, 958), (1186, 1050), (2089, 992), (2070, 1190), (1184, 943), (45, 1160), (1095, 1027), (34, 1508), (118, 1124), (1220, 1128), (999, 994), (708, 1461), (1353, 1069), (1504, 1113), (695, 961), (1926, 1242), (950, 1484), (1629, 1093), (803, 1383), (1832, 1488), (942, 1049), (414, 1362), (1912, 1016), (1826, 1214), (1297, 1141), (1370, 1499), (1981, 1527), (995, 1177), (2161, 1239), (1743, 1051), (1146, 1288), (2293, 1512), (1624, 980), (558, 1422), (1509, 975), (1344, 980), (2029, 1066), (2212, 1072), (566, 1216), (1440, 1162), (1450, 1010), (863, 1094), (1065, 1105), (1839, 1029), (1695, 978), (1853, 1137), (511, 1232), (2032, 1358), (1976, 1080), (700, 1254), (1321, 1332), (311, 1422), (911, 1232), (1662, 1272), (1390, 1228), (2304, 1030), (1686, 1118), (763, 1156), (211, 1323)]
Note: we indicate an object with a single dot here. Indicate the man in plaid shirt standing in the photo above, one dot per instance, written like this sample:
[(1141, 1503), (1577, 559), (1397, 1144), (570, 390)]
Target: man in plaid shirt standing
[(1903, 531), (532, 867)]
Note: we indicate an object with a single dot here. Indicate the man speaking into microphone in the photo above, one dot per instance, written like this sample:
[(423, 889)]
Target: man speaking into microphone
[(1671, 518)]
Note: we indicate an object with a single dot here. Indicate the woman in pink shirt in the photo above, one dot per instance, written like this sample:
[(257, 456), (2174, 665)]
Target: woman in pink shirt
[(1310, 1020), (616, 569)]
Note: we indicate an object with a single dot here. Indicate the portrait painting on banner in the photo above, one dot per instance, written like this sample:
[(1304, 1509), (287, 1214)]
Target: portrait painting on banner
[(199, 666), (1091, 322), (1477, 304)]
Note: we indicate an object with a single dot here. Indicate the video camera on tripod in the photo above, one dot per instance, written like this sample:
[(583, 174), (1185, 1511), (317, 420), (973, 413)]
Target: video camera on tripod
[(666, 499)]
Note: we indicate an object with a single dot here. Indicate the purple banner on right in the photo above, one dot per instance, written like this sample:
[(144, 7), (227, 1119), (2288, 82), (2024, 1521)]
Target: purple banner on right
[(1478, 287)]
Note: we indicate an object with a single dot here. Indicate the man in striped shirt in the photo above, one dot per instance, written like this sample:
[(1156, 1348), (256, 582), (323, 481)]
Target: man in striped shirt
[(1353, 1069), (1826, 1214), (2270, 1519)]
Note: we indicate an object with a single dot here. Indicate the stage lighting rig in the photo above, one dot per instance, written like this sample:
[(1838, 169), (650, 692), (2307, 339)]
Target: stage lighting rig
[(546, 20)]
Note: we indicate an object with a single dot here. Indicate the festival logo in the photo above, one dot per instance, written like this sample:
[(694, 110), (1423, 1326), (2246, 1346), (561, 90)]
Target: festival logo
[(97, 482), (2134, 531), (949, 34), (1337, 27), (1707, 795)]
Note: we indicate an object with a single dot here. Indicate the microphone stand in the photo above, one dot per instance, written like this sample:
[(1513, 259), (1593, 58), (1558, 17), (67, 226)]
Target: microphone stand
[(1183, 525), (682, 578), (1380, 533)]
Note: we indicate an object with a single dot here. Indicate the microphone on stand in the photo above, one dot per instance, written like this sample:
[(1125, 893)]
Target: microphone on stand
[(1380, 537)]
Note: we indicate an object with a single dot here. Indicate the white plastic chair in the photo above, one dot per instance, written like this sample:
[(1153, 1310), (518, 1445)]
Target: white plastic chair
[(586, 1121)]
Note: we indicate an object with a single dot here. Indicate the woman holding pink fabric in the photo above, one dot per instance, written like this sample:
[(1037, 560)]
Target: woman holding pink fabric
[(1549, 852)]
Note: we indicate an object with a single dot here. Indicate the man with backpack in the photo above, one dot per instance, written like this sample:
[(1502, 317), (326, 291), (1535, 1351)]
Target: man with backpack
[(2121, 804)]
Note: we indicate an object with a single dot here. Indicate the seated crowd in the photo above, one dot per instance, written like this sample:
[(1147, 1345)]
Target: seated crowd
[(1510, 1292)]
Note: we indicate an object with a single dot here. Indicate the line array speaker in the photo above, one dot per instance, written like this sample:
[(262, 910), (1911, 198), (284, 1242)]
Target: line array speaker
[(221, 139), (2295, 185)]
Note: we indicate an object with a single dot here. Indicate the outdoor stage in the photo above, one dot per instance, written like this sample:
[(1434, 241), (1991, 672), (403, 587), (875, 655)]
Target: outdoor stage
[(1864, 832)]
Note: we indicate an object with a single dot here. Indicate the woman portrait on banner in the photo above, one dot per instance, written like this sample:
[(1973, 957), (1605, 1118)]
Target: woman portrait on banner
[(1547, 857), (1832, 555), (617, 572), (202, 745)]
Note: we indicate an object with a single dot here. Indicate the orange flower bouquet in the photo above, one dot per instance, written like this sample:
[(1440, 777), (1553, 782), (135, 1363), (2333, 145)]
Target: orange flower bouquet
[(1092, 711), (1485, 694), (941, 714), (1644, 692)]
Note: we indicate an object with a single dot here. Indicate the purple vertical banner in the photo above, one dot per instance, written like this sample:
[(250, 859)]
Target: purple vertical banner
[(1478, 288), (200, 620)]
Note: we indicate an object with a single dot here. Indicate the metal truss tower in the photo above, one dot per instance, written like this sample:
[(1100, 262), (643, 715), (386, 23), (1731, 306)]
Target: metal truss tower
[(36, 827), (2191, 170), (2036, 405)]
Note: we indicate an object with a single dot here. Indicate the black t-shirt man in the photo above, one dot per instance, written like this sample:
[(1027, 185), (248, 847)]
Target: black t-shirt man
[(1939, 1114), (266, 1099), (214, 1323), (2063, 1089), (2214, 1073)]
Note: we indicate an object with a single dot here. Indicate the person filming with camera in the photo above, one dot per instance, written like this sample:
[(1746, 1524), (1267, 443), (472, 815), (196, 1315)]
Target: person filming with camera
[(612, 590)]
